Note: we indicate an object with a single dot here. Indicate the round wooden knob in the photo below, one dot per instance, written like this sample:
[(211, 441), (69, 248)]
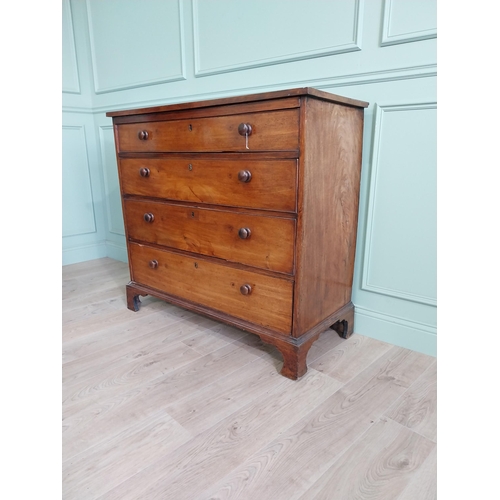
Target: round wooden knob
[(144, 172), (143, 135), (244, 233), (153, 264), (149, 217), (244, 176), (245, 129), (245, 289)]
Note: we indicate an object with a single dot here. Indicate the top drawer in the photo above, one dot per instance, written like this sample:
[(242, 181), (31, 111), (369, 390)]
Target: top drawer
[(270, 131)]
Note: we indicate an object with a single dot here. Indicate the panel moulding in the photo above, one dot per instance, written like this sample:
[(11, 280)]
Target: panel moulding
[(92, 227), (382, 76), (72, 48), (372, 196), (168, 79), (412, 36), (352, 46), (111, 229)]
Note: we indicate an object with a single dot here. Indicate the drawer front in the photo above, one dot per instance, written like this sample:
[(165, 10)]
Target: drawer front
[(265, 242), (216, 286), (271, 131), (265, 184)]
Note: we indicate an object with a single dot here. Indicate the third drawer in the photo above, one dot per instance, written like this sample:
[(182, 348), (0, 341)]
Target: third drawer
[(255, 240)]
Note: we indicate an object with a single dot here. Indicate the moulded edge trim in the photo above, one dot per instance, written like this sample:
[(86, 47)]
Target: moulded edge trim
[(372, 184)]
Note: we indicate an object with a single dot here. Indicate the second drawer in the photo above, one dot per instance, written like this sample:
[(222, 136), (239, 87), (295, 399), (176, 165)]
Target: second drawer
[(242, 182), (254, 240)]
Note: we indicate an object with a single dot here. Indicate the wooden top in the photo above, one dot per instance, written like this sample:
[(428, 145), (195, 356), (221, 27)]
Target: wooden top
[(319, 94)]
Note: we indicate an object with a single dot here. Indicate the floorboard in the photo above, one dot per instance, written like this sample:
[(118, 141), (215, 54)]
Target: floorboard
[(164, 403)]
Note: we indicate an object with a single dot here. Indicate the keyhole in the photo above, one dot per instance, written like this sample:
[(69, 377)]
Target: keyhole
[(196, 265), (190, 127), (190, 167), (192, 214)]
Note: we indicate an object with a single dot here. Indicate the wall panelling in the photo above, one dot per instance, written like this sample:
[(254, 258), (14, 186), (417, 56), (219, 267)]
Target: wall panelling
[(122, 54)]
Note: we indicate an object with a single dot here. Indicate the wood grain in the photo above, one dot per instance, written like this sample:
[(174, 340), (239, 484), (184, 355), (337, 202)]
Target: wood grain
[(193, 467), (95, 471), (92, 267), (271, 131), (81, 301), (169, 159), (264, 96), (220, 336), (417, 408), (215, 233), (213, 181), (192, 110), (112, 334), (97, 317), (141, 370), (110, 417), (87, 285), (200, 411), (216, 286), (423, 485), (226, 425), (110, 356), (350, 357), (329, 180), (365, 472), (297, 457)]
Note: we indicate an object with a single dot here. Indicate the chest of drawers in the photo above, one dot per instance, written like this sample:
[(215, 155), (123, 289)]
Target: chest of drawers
[(245, 209)]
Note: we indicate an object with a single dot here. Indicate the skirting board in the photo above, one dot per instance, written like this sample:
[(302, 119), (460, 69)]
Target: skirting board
[(116, 251), (390, 329), (397, 331), (83, 253)]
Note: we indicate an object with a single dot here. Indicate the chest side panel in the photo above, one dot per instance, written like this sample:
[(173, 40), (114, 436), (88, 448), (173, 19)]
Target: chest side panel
[(329, 178)]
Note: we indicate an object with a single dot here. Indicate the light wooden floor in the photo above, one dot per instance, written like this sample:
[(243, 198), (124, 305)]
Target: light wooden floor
[(166, 404)]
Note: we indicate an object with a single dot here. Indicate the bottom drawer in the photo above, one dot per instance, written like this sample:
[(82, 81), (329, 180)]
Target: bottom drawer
[(253, 297)]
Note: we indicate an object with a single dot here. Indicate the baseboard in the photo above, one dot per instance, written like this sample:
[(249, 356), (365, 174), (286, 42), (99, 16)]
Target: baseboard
[(116, 251), (83, 253), (397, 331)]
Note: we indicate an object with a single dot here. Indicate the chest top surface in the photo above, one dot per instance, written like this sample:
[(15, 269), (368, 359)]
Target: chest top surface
[(279, 94)]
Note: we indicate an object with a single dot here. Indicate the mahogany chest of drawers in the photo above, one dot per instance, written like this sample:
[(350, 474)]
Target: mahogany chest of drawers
[(245, 209)]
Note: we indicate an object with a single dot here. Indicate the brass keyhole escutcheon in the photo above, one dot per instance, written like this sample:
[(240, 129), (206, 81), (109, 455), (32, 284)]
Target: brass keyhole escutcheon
[(196, 265), (190, 127), (190, 167)]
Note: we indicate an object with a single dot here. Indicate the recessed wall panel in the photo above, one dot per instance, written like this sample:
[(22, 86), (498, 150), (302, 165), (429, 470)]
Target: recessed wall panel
[(70, 79), (409, 21), (111, 182), (400, 252), (78, 207), (231, 35), (135, 43)]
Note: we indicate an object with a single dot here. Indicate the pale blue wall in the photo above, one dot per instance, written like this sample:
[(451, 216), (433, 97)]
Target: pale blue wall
[(121, 54)]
